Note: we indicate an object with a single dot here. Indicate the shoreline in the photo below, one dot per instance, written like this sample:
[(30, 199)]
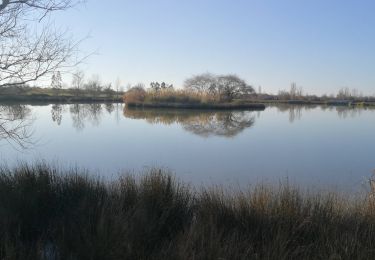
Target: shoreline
[(44, 99), (324, 103), (245, 105), (202, 106)]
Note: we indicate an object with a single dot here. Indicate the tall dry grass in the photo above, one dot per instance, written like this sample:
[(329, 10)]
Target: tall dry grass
[(168, 96), (49, 213)]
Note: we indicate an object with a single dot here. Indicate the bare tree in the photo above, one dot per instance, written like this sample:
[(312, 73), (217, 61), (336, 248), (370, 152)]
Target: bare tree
[(117, 86), (300, 92), (283, 94), (293, 90), (56, 82), (31, 50), (107, 89), (201, 83), (344, 93), (28, 50), (231, 86), (78, 80), (227, 87), (94, 85)]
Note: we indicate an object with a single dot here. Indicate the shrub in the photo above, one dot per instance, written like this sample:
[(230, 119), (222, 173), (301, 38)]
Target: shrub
[(134, 95)]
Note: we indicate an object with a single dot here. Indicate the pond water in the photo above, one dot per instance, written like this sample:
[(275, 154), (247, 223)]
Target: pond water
[(313, 146)]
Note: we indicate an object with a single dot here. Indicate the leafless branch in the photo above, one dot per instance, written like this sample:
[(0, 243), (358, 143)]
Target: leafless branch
[(27, 55)]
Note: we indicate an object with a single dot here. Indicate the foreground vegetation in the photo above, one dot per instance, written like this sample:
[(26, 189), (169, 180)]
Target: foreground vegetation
[(47, 213)]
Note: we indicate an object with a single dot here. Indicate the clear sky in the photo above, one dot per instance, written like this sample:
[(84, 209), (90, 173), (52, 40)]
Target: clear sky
[(322, 45)]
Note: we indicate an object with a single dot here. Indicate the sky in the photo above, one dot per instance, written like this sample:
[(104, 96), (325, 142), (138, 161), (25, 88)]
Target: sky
[(322, 45)]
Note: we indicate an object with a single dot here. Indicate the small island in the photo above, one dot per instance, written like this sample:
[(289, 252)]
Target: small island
[(204, 91)]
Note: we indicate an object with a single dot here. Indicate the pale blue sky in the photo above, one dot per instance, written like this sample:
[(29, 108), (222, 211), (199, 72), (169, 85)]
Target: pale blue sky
[(322, 45)]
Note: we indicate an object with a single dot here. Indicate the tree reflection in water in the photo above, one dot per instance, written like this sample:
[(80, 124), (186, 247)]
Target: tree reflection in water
[(352, 112), (344, 112), (110, 107), (202, 123), (82, 113), (295, 111), (16, 125), (78, 116), (56, 113)]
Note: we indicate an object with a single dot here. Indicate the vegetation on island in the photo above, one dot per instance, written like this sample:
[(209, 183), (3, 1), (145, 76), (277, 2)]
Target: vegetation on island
[(201, 91), (50, 213)]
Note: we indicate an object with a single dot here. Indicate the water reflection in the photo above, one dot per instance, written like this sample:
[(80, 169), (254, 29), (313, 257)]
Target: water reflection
[(202, 123), (16, 119), (83, 113), (109, 107), (16, 125), (296, 111), (345, 112), (56, 113)]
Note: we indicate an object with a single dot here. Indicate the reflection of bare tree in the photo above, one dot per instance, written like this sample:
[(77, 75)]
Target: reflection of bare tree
[(95, 113), (202, 123), (15, 125), (82, 113), (109, 107), (16, 112), (346, 111), (226, 124), (56, 113), (119, 107), (295, 111), (78, 117)]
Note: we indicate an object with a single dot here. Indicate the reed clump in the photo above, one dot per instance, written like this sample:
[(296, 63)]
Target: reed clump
[(140, 95), (51, 213)]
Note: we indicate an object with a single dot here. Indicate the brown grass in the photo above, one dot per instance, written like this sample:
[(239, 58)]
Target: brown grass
[(47, 213), (168, 96)]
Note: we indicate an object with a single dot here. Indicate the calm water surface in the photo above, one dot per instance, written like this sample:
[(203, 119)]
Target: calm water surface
[(313, 146)]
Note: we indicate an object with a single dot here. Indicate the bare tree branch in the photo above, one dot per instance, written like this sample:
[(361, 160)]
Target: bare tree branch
[(15, 126), (27, 55)]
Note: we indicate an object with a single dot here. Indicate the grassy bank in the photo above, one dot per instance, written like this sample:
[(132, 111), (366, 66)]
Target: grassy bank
[(42, 99), (31, 95), (46, 213)]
